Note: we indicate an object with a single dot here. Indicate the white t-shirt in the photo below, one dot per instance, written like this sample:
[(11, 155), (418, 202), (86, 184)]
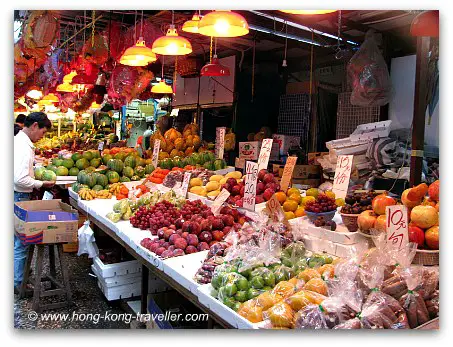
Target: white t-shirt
[(24, 156)]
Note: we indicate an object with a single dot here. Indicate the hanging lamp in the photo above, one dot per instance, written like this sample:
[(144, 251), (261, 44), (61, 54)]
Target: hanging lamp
[(214, 68), (65, 88), (223, 24), (162, 87), (191, 26), (172, 43), (49, 99), (308, 12), (82, 81), (68, 78)]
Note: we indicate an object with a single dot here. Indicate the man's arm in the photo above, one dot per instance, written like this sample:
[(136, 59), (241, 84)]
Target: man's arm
[(22, 176)]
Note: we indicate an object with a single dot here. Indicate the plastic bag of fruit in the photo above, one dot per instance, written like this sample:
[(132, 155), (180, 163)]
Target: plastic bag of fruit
[(280, 315)]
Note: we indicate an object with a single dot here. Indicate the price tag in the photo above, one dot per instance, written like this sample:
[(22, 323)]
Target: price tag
[(397, 226), (219, 142), (185, 184), (342, 175), (265, 153), (251, 171), (239, 163), (156, 152), (101, 146), (288, 173), (275, 209), (219, 200), (47, 195)]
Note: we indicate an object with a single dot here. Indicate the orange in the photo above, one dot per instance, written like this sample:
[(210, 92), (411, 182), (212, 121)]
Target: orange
[(289, 215), (300, 212), (292, 191), (281, 197), (330, 194), (295, 197), (339, 202), (290, 206), (306, 199)]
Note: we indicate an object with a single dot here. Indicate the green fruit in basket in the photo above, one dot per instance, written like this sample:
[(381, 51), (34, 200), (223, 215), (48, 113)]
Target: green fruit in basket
[(257, 282), (73, 171), (95, 153), (242, 284), (228, 302), (267, 288), (57, 161), (230, 289), (219, 164), (241, 296), (68, 163), (39, 171), (62, 171), (90, 169), (269, 279), (286, 261), (246, 273), (216, 280), (316, 260)]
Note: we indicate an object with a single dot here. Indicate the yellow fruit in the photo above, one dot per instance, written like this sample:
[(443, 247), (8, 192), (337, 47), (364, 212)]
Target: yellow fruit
[(290, 206), (289, 215), (198, 190), (212, 186), (213, 193), (339, 202), (292, 191), (300, 212), (234, 174), (195, 182), (330, 194), (223, 180), (215, 178), (281, 197), (295, 197), (312, 192), (306, 199)]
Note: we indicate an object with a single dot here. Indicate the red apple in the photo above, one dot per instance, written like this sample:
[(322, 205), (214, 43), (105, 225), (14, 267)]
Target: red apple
[(205, 236), (260, 188), (206, 225), (191, 249), (177, 252), (228, 220), (259, 199), (380, 203), (231, 182), (217, 224), (267, 195), (268, 178), (192, 240), (181, 243), (416, 235), (261, 174), (236, 190)]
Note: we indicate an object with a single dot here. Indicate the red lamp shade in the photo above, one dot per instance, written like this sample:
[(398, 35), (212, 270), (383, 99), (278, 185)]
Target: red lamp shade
[(426, 24), (214, 68), (84, 79)]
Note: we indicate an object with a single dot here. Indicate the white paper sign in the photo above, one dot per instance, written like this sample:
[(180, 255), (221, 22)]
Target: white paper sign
[(342, 175), (397, 226), (275, 209), (101, 146), (287, 173), (265, 153), (220, 142), (156, 152), (219, 200), (185, 184), (47, 195), (251, 171)]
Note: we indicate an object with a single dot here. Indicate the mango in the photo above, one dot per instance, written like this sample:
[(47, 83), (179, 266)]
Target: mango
[(198, 190), (195, 182), (234, 174), (213, 193), (212, 186), (215, 178), (223, 180)]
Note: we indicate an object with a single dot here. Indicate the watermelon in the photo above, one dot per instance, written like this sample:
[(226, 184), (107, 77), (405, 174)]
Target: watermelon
[(77, 186), (90, 180), (113, 176), (97, 187), (90, 169), (39, 171), (149, 168), (95, 162), (82, 163), (49, 175), (125, 179), (81, 176), (139, 171), (128, 171), (102, 180), (135, 178), (62, 171), (140, 162), (68, 163), (219, 164), (106, 158), (76, 156), (96, 154), (57, 161), (115, 165), (130, 161), (120, 156), (87, 155), (102, 169), (73, 171)]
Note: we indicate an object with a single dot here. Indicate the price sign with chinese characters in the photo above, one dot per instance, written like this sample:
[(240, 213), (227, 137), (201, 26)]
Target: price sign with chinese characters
[(265, 153), (156, 152), (251, 172), (185, 184), (219, 200), (219, 142), (275, 209), (288, 173), (397, 226), (101, 146), (342, 175)]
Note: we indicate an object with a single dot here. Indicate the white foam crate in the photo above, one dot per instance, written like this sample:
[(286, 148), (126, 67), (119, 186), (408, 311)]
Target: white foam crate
[(225, 171), (117, 280), (120, 292), (371, 131), (183, 269), (73, 194), (111, 270), (317, 245), (99, 208)]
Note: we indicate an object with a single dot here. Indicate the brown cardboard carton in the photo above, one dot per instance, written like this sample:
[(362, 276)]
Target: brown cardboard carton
[(307, 171)]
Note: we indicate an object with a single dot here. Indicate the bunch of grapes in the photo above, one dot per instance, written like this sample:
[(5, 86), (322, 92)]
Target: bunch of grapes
[(162, 214), (357, 203), (192, 208), (323, 203)]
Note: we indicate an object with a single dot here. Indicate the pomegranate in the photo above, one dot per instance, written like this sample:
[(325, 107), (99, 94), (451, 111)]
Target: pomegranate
[(409, 203), (380, 203), (424, 216), (366, 220), (432, 237), (416, 235), (381, 223), (433, 191), (418, 192)]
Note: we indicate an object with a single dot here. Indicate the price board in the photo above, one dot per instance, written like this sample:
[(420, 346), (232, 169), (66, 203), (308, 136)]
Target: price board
[(101, 146), (265, 153), (275, 209), (251, 172), (185, 184), (219, 200), (397, 226), (288, 173), (220, 142), (156, 152), (342, 175)]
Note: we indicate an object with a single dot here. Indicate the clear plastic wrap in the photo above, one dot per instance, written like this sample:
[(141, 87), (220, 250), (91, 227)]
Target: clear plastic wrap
[(432, 304)]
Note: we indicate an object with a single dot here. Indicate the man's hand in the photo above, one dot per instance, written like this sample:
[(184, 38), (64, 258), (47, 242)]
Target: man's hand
[(48, 184)]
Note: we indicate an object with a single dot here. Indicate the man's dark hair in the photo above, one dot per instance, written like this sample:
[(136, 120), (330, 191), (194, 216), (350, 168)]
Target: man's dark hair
[(38, 117), (21, 118)]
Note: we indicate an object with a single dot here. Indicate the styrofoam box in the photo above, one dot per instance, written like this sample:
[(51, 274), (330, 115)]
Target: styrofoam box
[(317, 245), (73, 194), (67, 179), (123, 268), (117, 280), (182, 269), (225, 171), (120, 292)]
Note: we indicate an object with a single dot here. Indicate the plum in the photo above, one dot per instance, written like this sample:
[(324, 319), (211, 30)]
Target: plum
[(192, 240), (195, 228), (173, 238), (205, 214), (205, 236), (179, 222), (181, 243), (228, 220), (191, 249), (177, 252), (153, 247), (236, 190), (184, 235), (161, 233), (171, 248), (206, 225), (237, 226), (160, 250), (267, 195), (161, 242), (260, 187), (186, 226), (217, 235), (203, 246), (225, 210), (172, 226), (168, 233), (259, 199), (218, 224), (166, 245), (226, 230), (167, 254), (231, 182), (268, 178)]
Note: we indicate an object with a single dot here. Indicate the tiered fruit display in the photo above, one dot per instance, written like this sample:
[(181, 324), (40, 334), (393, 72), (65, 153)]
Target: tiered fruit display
[(375, 218), (205, 159)]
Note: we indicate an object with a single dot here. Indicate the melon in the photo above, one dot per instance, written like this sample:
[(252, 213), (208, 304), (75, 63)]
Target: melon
[(52, 168), (120, 156), (139, 171), (140, 162), (77, 186), (81, 176), (62, 171), (113, 176), (73, 171), (49, 175), (97, 187), (125, 179), (39, 171), (149, 168), (76, 156), (87, 155), (96, 154), (130, 161), (95, 162), (115, 165), (106, 158), (90, 169), (128, 171), (68, 163), (57, 161), (90, 180), (102, 180), (82, 163)]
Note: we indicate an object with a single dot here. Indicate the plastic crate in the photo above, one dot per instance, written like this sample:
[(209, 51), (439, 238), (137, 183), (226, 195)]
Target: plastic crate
[(111, 270)]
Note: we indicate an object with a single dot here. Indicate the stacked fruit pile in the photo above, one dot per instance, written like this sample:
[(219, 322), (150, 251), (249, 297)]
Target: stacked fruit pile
[(211, 185), (358, 203), (205, 159)]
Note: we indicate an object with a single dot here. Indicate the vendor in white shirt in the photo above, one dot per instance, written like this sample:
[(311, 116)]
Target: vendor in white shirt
[(35, 126)]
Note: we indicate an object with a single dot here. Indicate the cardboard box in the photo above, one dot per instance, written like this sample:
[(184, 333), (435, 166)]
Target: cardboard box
[(277, 170), (45, 221), (285, 142), (71, 247), (307, 171), (304, 183), (249, 150), (312, 157)]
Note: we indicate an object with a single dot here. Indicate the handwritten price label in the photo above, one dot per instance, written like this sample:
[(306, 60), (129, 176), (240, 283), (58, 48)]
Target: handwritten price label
[(219, 200), (185, 184), (397, 226), (101, 146), (220, 142), (275, 209), (251, 171), (288, 173), (342, 175), (156, 152), (265, 153)]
